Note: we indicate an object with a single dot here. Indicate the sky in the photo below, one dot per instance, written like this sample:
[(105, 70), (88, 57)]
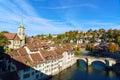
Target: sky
[(59, 16)]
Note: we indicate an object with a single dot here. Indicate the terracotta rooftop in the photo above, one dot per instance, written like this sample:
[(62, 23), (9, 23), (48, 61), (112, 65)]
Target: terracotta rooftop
[(36, 58), (22, 51), (33, 59), (11, 36)]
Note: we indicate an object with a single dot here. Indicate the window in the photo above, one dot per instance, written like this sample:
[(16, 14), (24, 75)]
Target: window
[(68, 57), (36, 66), (25, 70), (47, 66), (48, 61), (52, 61), (32, 73), (36, 71), (39, 65), (37, 76), (26, 75), (41, 74)]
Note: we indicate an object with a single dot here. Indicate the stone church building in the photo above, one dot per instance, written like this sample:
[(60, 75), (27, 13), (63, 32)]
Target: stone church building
[(16, 39)]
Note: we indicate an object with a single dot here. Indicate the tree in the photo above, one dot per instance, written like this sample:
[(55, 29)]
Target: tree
[(110, 40), (8, 50), (49, 36), (118, 40), (90, 30), (3, 43), (3, 40), (90, 47), (113, 47), (110, 33), (4, 32), (77, 50)]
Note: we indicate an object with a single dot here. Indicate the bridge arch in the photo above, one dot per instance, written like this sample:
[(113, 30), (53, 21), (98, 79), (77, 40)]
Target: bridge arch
[(99, 65), (90, 60), (93, 60)]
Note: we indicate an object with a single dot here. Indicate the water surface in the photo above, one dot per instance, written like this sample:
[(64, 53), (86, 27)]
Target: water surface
[(80, 71)]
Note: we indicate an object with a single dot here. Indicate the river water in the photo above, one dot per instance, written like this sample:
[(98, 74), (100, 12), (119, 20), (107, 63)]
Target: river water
[(80, 72)]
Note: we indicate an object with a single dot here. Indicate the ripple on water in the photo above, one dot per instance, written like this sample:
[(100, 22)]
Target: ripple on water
[(82, 72)]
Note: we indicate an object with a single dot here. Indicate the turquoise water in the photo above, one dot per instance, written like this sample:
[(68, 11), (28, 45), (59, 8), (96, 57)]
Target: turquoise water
[(80, 71)]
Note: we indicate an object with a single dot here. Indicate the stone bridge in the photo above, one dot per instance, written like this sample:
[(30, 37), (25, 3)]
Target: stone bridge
[(89, 60)]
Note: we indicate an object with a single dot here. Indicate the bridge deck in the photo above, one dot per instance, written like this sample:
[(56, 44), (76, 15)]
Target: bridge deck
[(91, 59)]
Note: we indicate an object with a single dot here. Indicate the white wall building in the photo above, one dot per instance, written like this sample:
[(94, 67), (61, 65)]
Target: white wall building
[(39, 63)]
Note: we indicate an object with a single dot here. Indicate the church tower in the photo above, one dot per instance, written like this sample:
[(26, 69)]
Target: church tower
[(21, 33)]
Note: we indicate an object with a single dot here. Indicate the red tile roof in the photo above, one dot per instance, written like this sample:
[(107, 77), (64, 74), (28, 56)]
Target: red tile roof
[(33, 59), (22, 51), (37, 59), (11, 36)]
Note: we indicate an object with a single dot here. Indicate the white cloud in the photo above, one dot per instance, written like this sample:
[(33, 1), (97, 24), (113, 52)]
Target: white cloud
[(10, 16), (70, 6)]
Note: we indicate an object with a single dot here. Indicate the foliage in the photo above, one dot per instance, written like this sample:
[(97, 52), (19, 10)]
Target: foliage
[(113, 47), (90, 47), (4, 32), (8, 50), (77, 50), (49, 36), (118, 40), (91, 35), (3, 40), (110, 33), (1, 50)]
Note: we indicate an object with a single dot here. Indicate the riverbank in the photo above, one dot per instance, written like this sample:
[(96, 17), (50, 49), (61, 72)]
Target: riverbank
[(65, 66), (115, 56), (79, 72), (83, 53), (74, 72)]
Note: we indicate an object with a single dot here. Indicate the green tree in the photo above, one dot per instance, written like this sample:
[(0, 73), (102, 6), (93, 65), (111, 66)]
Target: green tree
[(49, 37), (4, 32), (3, 43), (3, 40), (110, 33), (90, 30), (118, 40), (77, 50), (113, 47), (8, 50), (90, 47)]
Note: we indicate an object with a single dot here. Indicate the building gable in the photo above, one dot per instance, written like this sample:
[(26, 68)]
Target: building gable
[(11, 36)]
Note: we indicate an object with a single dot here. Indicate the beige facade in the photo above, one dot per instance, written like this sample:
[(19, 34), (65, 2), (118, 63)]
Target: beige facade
[(14, 44)]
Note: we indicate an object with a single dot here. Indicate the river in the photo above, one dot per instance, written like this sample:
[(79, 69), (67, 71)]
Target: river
[(80, 72)]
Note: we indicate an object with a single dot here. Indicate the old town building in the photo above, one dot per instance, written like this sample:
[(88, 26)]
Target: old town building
[(39, 60), (17, 40)]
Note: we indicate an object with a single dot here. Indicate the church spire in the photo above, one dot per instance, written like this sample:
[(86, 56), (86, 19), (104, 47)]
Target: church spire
[(21, 23)]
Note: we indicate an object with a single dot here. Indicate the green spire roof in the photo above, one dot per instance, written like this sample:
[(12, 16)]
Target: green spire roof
[(21, 23)]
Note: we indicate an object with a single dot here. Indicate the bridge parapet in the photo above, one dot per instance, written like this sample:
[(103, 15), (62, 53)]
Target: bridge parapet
[(89, 60)]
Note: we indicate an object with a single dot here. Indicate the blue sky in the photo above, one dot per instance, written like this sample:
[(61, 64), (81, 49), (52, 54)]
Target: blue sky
[(59, 16)]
